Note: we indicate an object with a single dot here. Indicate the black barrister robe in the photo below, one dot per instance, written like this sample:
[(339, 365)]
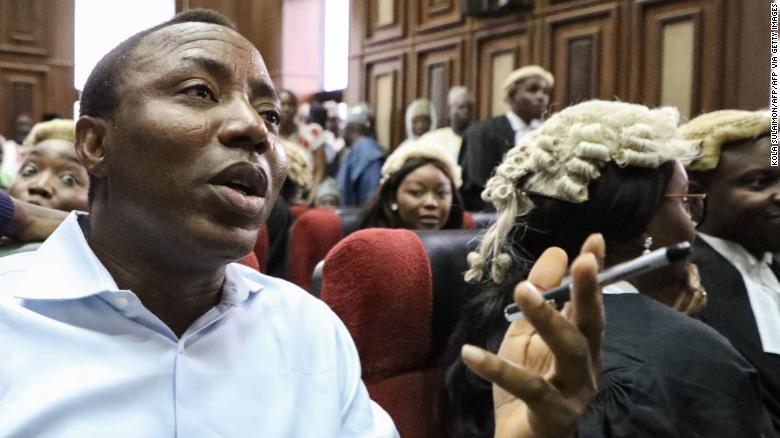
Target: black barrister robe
[(728, 311), (483, 148), (665, 374)]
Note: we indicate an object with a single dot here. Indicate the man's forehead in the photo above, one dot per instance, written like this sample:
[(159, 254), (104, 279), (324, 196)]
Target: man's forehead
[(209, 39)]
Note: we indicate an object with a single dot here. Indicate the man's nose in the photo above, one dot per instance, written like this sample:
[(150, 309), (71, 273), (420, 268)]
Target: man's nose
[(244, 127)]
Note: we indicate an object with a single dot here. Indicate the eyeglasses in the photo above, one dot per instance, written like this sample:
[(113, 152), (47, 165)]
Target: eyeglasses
[(695, 205)]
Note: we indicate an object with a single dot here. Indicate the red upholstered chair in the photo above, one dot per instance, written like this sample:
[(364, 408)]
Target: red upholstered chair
[(378, 281), (251, 261), (262, 246), (312, 235), (468, 221), (297, 210)]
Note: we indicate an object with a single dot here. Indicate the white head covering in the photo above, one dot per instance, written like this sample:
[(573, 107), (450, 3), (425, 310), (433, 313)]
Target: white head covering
[(419, 107), (423, 149)]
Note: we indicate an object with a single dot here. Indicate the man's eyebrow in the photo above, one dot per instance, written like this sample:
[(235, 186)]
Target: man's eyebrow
[(265, 89), (212, 66), (220, 69)]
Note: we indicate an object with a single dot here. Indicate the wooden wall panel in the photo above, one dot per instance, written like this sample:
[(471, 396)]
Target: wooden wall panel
[(23, 25), (651, 19), (581, 52), (596, 49), (22, 91), (36, 59), (385, 93), (493, 54), (385, 20), (438, 14), (436, 67)]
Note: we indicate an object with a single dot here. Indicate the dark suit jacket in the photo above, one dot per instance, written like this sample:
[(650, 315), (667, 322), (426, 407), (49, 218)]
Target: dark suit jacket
[(484, 145), (728, 311)]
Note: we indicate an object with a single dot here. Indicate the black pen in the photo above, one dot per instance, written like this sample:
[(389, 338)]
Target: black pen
[(648, 262)]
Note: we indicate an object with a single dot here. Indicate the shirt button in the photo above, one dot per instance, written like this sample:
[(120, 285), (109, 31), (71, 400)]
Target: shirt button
[(121, 302)]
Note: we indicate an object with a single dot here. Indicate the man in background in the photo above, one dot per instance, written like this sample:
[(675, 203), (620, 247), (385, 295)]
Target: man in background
[(739, 231), (527, 92)]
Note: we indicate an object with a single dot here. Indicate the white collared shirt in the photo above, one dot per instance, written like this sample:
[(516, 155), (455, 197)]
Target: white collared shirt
[(83, 358), (762, 287), (520, 127), (620, 287)]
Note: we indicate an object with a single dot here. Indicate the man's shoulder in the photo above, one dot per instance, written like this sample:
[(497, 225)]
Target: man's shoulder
[(487, 126), (12, 270), (286, 297)]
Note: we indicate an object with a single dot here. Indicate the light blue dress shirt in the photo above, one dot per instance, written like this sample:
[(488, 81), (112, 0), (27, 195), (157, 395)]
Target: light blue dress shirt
[(82, 358)]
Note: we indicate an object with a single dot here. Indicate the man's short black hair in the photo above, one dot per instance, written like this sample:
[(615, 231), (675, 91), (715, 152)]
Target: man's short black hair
[(100, 97)]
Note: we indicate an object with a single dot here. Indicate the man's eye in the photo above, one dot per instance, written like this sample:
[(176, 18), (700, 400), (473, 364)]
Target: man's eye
[(271, 116), (28, 170), (201, 92)]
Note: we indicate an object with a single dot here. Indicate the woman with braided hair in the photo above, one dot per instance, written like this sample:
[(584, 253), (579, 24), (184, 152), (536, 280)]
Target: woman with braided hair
[(610, 168)]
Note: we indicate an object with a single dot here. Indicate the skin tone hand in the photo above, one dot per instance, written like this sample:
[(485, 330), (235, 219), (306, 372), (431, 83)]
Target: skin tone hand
[(693, 297), (546, 371), (33, 223)]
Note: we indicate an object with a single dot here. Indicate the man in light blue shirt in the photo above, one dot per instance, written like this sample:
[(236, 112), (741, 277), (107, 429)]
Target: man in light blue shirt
[(133, 321)]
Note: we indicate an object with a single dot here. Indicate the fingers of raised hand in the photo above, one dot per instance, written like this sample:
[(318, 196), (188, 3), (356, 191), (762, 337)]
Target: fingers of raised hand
[(573, 361), (517, 380), (587, 305)]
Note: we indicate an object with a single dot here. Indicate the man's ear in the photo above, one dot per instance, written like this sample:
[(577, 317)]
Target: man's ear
[(90, 144)]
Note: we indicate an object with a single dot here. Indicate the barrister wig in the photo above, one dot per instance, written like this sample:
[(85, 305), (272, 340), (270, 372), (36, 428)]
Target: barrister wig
[(524, 73), (711, 131)]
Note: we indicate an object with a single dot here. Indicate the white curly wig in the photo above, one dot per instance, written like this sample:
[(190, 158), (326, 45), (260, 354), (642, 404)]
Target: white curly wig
[(562, 157)]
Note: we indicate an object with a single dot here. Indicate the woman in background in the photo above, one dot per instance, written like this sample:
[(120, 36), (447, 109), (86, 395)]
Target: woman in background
[(418, 190), (51, 174)]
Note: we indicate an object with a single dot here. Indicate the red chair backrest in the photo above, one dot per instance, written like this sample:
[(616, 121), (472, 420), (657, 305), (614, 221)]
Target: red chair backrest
[(379, 283), (297, 210), (262, 247), (312, 235), (251, 261)]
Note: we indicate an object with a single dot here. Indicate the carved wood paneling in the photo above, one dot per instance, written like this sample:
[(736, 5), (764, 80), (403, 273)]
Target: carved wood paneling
[(581, 52), (438, 14), (491, 51), (437, 67), (22, 91), (651, 18), (23, 25), (385, 20), (388, 106)]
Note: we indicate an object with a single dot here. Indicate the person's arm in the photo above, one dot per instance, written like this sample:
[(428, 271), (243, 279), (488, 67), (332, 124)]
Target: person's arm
[(25, 222), (320, 166), (546, 371), (369, 181)]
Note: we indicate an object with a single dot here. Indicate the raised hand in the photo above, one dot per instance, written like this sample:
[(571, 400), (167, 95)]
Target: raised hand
[(546, 371)]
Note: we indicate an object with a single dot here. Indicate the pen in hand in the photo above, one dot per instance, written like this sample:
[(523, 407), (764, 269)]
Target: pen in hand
[(640, 265)]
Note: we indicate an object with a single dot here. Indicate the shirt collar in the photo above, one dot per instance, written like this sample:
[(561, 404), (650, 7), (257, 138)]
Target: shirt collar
[(65, 268), (735, 252), (621, 287), (518, 124)]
